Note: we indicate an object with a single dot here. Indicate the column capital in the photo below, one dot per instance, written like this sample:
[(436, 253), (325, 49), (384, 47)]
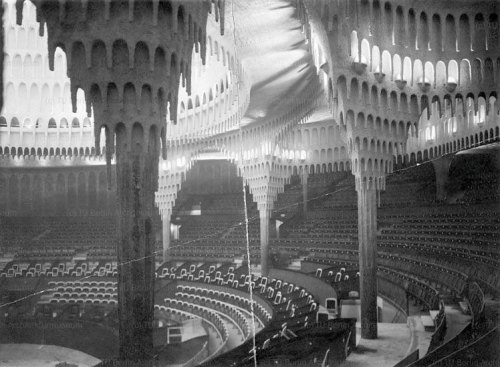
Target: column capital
[(366, 182), (265, 207)]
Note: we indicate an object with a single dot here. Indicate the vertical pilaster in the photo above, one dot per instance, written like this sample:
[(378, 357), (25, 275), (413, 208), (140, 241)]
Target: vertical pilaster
[(303, 179), (166, 236), (367, 234), (441, 169), (265, 215)]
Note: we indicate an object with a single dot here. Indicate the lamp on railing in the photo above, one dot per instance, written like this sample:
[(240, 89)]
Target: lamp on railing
[(451, 84), (359, 66), (379, 75), (424, 84), (400, 82)]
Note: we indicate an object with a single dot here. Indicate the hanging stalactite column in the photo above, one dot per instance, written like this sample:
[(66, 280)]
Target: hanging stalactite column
[(371, 161), (129, 58), (265, 180), (370, 166)]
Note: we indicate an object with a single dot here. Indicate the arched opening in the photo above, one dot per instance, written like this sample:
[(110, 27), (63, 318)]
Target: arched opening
[(450, 34), (464, 42)]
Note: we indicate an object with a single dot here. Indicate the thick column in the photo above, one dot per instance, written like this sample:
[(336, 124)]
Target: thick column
[(137, 155), (136, 94), (367, 234), (264, 214), (441, 169), (166, 236)]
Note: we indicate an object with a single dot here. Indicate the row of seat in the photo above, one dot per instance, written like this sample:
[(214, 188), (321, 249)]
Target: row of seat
[(228, 310), (228, 297), (420, 288), (203, 312), (60, 269), (274, 290), (440, 276), (437, 274)]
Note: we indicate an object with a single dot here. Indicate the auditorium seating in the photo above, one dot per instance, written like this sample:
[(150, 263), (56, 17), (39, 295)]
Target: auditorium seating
[(288, 200), (324, 227), (294, 310), (396, 295), (294, 342), (481, 188), (426, 251), (63, 236), (458, 241), (205, 226), (83, 292), (220, 232), (410, 187), (237, 317), (229, 298), (479, 339), (72, 268), (340, 194), (219, 288), (188, 310), (438, 273), (474, 179), (420, 288)]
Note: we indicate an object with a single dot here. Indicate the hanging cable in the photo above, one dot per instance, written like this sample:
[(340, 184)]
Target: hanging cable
[(250, 289)]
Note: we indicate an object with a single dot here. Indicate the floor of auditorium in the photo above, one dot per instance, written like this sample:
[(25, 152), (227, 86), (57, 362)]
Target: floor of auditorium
[(29, 355), (394, 342)]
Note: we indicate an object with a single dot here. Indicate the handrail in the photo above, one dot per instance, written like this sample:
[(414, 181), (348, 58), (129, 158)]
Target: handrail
[(409, 359), (472, 344), (194, 360), (475, 293), (451, 344), (440, 331), (221, 347)]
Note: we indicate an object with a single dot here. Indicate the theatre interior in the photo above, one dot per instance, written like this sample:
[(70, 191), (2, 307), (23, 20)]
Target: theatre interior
[(249, 183)]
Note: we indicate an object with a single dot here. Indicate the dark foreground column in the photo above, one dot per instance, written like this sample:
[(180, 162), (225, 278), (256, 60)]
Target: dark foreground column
[(129, 67), (137, 175), (367, 234)]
